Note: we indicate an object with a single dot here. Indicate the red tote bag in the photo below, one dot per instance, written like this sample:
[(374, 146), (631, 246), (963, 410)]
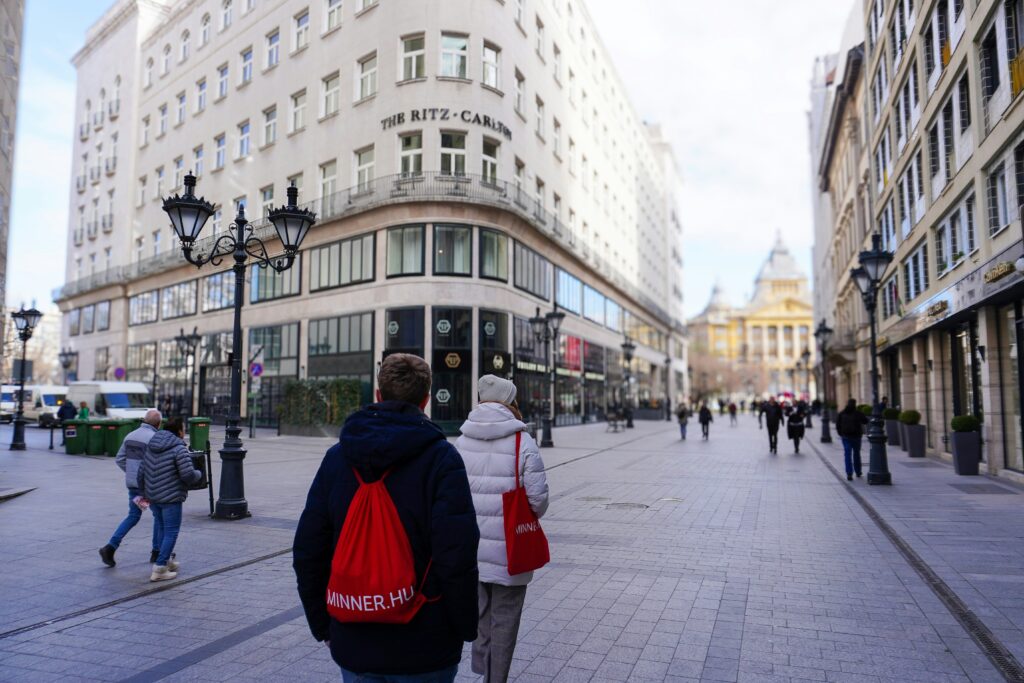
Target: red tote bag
[(526, 546)]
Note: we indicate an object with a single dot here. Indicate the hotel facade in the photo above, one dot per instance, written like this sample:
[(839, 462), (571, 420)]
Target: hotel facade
[(925, 146), (470, 162)]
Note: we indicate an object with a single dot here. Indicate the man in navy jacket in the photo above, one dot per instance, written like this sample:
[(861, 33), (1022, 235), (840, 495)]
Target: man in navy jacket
[(430, 490)]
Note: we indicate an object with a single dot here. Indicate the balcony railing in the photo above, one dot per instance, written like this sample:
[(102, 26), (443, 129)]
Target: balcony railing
[(107, 222), (95, 172), (113, 109), (110, 165), (97, 119), (398, 189)]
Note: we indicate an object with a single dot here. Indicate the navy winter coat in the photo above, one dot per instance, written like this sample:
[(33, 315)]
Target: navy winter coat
[(429, 487)]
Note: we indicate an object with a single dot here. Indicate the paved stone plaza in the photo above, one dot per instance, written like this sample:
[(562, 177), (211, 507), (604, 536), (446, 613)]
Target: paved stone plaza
[(671, 561)]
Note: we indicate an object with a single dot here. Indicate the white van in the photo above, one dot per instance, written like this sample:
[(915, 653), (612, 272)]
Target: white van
[(42, 402), (7, 403), (112, 399)]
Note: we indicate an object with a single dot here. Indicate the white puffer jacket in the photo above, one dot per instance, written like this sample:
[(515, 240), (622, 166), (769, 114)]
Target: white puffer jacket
[(488, 448)]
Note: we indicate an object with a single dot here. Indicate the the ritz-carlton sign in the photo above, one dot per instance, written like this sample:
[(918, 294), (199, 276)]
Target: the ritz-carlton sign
[(446, 114)]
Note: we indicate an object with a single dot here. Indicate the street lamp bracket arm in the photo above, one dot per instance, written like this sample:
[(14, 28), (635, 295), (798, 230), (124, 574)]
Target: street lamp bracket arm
[(224, 246), (256, 249)]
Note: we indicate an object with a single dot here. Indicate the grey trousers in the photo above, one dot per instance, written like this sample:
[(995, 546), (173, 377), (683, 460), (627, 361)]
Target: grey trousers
[(500, 610)]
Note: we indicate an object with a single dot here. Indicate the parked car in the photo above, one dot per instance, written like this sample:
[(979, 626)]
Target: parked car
[(41, 402), (7, 403), (112, 399)]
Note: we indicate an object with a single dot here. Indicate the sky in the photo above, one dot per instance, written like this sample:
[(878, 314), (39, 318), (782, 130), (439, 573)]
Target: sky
[(728, 82)]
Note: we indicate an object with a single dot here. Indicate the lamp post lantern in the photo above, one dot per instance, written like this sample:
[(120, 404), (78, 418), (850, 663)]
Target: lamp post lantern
[(67, 358), (188, 215), (628, 349), (873, 263), (545, 329), (823, 334), (188, 344), (25, 321)]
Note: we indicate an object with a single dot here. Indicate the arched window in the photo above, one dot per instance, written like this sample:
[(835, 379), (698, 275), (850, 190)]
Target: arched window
[(186, 42), (225, 14), (165, 63), (147, 75), (204, 30), (117, 88)]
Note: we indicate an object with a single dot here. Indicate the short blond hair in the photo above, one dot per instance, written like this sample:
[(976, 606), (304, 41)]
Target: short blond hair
[(404, 377)]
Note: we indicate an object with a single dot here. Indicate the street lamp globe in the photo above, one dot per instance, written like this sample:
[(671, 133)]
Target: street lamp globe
[(187, 212), (19, 319), (628, 347), (539, 324), (555, 317), (291, 222), (861, 279), (823, 333), (32, 318), (875, 260)]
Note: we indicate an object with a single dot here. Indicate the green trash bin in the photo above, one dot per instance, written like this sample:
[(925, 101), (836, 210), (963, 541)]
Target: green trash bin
[(198, 433), (117, 430), (75, 436), (96, 441)]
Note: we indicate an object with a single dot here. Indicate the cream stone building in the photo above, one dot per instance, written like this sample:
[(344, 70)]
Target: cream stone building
[(941, 90), (470, 162), (12, 18)]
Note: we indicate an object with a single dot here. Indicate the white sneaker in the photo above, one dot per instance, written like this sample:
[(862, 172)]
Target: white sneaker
[(162, 574), (172, 564)]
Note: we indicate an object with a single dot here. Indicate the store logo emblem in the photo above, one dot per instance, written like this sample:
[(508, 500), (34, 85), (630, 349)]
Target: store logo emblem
[(443, 326), (393, 327), (498, 361), (443, 396), (452, 360), (490, 328)]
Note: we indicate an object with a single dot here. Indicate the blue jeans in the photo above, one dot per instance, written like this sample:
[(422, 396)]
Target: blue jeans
[(166, 525), (129, 522), (851, 447), (682, 429), (442, 676)]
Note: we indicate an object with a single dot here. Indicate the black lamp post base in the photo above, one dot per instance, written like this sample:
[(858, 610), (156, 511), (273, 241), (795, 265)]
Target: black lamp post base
[(826, 435), (878, 469), (232, 509), (231, 504), (545, 432), (883, 478), (18, 438), (629, 419)]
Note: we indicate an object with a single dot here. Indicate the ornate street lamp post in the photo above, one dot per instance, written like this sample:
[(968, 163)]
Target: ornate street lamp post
[(668, 388), (67, 358), (806, 356), (792, 383), (545, 329), (188, 215), (868, 276), (188, 344), (628, 348), (25, 322), (823, 334)]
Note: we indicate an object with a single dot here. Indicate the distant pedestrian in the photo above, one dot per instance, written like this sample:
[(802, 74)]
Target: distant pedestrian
[(732, 414), (705, 418), (795, 425), (488, 448), (129, 459), (771, 411), (683, 416), (83, 411), (884, 403), (390, 453), (850, 426), (165, 474), (66, 412)]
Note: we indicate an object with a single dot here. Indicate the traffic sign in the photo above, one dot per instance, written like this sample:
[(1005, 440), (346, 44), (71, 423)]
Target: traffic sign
[(256, 369)]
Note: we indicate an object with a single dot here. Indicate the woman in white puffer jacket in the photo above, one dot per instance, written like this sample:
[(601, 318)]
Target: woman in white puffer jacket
[(487, 445)]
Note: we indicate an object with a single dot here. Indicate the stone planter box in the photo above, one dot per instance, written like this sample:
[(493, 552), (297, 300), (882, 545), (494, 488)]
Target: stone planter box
[(966, 452), (892, 432), (914, 440), (903, 437)]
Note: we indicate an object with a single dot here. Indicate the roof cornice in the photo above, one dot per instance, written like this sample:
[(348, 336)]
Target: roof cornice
[(854, 61)]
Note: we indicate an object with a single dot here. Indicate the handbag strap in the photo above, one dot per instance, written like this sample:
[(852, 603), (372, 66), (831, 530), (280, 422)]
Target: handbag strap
[(519, 439)]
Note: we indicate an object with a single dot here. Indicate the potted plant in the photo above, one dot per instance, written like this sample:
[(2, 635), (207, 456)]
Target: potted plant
[(865, 408), (892, 425), (966, 439), (913, 431)]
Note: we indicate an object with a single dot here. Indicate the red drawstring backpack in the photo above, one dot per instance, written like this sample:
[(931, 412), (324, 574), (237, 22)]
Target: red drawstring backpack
[(526, 547), (373, 576)]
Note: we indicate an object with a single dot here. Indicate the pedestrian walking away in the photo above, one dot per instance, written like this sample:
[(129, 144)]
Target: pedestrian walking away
[(771, 411), (683, 415), (488, 448), (129, 459), (850, 426), (732, 414), (66, 412), (795, 425), (705, 418), (420, 476), (166, 472)]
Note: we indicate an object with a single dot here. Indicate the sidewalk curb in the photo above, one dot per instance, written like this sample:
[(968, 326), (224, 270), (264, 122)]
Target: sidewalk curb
[(990, 644), (8, 494)]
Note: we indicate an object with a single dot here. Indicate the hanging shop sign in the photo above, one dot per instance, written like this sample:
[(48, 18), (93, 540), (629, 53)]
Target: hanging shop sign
[(393, 328), (443, 326), (443, 396), (445, 114), (453, 360)]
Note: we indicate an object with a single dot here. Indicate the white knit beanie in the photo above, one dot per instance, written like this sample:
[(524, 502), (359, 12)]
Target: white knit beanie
[(494, 388)]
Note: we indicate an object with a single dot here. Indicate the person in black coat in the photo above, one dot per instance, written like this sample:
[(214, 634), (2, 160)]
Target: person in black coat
[(64, 413), (795, 425), (850, 426), (705, 418), (427, 482), (771, 412)]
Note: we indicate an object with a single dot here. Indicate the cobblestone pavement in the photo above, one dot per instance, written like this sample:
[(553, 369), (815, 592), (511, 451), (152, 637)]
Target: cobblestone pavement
[(671, 561)]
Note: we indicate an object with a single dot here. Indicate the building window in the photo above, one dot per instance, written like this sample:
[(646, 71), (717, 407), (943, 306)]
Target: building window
[(331, 87), (520, 92), (328, 179), (178, 300), (556, 59), (165, 61), (998, 204), (162, 120), (159, 173), (298, 111), (270, 126), (147, 73), (493, 255), (517, 178), (454, 55), (225, 15), (267, 199), (347, 262), (141, 198), (333, 20), (539, 129), (489, 161), (532, 272), (75, 322), (517, 11), (246, 66), (540, 36), (301, 34), (243, 139), (222, 81), (179, 171), (491, 56), (915, 273), (273, 48), (367, 76), (453, 153), (411, 161), (179, 117), (569, 291), (453, 250), (364, 169), (186, 42), (143, 308), (267, 284), (413, 56), (218, 292), (200, 95), (364, 4), (556, 137), (405, 250), (204, 30), (593, 305), (990, 77), (102, 316), (140, 362)]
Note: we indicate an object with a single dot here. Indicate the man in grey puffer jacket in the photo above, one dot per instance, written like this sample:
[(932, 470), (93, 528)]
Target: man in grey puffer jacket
[(487, 447), (165, 474), (129, 459)]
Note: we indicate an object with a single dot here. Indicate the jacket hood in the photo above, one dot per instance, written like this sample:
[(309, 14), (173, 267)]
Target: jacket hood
[(490, 421), (385, 434), (164, 440)]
